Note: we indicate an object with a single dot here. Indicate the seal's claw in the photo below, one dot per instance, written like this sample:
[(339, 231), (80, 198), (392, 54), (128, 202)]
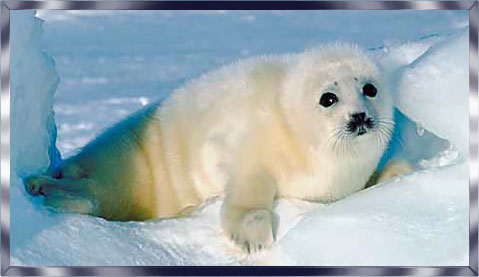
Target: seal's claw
[(256, 231), (33, 186)]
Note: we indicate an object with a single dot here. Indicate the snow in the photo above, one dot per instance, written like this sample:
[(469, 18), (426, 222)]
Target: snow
[(440, 94), (411, 219), (416, 220), (33, 75), (33, 83)]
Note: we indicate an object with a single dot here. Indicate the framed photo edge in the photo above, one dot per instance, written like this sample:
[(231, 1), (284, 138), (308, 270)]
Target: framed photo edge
[(7, 270)]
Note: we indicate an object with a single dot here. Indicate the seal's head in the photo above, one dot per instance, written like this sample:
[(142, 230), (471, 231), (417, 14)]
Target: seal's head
[(334, 99)]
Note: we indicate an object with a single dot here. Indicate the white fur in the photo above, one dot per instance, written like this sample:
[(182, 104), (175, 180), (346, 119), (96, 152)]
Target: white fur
[(221, 110), (252, 130)]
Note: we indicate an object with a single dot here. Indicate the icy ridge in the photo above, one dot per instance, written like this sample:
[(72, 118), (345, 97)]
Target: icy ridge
[(33, 83)]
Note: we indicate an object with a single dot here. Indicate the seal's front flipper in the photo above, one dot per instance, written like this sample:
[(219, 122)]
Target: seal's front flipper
[(248, 216), (393, 169)]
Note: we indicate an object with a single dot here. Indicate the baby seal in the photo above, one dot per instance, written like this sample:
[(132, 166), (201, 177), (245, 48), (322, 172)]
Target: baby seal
[(311, 126)]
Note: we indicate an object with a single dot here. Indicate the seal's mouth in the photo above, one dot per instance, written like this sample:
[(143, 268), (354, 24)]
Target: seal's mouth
[(360, 129)]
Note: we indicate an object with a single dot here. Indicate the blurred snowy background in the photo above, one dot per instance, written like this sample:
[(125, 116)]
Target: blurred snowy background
[(111, 63)]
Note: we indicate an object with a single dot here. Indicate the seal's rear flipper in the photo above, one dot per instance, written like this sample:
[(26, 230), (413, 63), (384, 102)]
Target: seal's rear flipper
[(65, 203), (63, 195), (44, 184)]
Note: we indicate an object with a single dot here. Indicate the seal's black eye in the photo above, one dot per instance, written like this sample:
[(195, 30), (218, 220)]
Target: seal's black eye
[(328, 99), (369, 90)]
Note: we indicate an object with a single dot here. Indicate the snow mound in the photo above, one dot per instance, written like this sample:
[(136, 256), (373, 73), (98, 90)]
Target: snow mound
[(415, 220), (398, 55), (434, 90)]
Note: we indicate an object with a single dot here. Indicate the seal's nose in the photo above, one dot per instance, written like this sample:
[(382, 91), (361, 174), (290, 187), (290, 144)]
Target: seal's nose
[(359, 123), (359, 118)]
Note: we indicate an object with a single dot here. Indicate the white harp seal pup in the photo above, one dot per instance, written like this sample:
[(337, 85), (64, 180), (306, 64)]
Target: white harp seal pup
[(311, 125)]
